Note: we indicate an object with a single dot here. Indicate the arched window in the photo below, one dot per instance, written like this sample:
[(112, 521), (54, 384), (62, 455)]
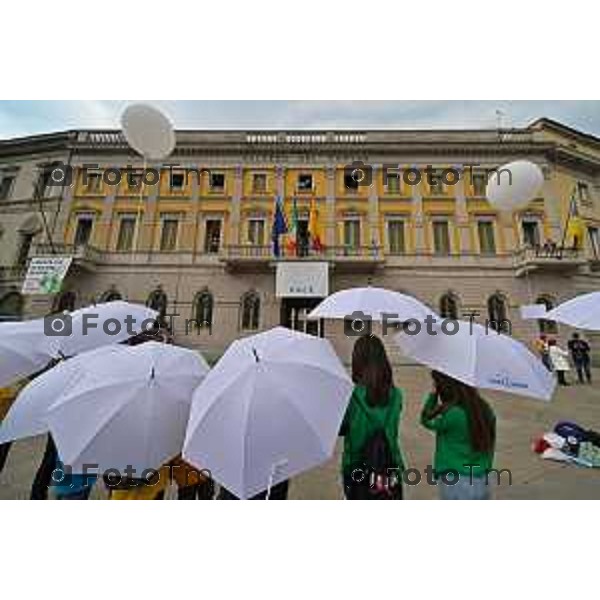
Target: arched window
[(250, 310), (498, 313), (66, 301), (545, 325), (449, 306), (203, 310), (158, 301), (111, 295), (11, 306)]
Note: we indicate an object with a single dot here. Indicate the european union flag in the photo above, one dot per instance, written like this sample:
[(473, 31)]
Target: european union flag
[(279, 226)]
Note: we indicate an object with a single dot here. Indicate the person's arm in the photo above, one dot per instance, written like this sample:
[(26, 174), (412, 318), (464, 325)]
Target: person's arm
[(433, 416)]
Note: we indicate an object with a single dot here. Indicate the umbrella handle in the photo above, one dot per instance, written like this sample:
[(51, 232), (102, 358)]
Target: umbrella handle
[(274, 468)]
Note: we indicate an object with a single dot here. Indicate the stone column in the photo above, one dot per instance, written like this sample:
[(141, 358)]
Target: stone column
[(462, 217), (236, 200), (373, 229), (418, 219), (552, 206), (330, 222)]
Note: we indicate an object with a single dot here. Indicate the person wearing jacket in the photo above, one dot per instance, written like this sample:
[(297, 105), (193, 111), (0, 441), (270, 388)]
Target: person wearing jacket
[(560, 361), (375, 405), (580, 354), (465, 429)]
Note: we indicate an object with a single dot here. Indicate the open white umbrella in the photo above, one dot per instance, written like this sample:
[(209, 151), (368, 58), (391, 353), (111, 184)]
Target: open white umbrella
[(371, 301), (27, 416), (28, 346), (127, 410), (480, 357), (23, 349), (270, 409), (582, 312)]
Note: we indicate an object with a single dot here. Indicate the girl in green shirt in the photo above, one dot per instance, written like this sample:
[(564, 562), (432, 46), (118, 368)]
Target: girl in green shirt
[(465, 428), (370, 427)]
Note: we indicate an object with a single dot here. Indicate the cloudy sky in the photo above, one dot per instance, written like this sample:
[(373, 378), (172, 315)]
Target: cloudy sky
[(19, 118)]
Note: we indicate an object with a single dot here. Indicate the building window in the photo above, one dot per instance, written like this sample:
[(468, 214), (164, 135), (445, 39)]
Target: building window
[(250, 311), (487, 242), (583, 191), (437, 186), (305, 182), (212, 236), (352, 233), (168, 237), (393, 183), (479, 184), (158, 301), (65, 302), (42, 184), (134, 181), (217, 182), (94, 183), (6, 186), (594, 241), (350, 183), (449, 306), (441, 237), (111, 295), (25, 242), (531, 233), (83, 231), (396, 241), (546, 326), (126, 233), (177, 181), (259, 183), (203, 311), (256, 232), (497, 314), (11, 306)]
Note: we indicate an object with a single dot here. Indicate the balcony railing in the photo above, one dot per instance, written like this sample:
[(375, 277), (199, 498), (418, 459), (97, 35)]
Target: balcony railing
[(548, 257), (83, 254), (252, 252)]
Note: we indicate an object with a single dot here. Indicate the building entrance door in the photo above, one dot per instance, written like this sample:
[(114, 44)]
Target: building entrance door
[(294, 312)]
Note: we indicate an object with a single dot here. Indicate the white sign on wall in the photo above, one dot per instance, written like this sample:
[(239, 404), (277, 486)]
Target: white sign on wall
[(302, 280), (45, 274)]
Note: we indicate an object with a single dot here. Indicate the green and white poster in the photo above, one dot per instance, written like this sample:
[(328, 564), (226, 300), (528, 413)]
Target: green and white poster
[(45, 274)]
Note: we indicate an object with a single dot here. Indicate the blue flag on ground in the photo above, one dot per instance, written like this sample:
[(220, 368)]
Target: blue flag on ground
[(279, 226)]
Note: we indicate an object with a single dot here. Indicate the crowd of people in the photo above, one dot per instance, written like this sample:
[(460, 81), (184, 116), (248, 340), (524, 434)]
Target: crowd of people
[(556, 359), (372, 461)]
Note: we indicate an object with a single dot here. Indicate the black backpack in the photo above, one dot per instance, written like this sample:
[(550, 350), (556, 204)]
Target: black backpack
[(378, 476)]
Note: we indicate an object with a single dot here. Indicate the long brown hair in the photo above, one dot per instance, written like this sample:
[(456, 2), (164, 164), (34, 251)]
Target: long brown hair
[(371, 368), (481, 423)]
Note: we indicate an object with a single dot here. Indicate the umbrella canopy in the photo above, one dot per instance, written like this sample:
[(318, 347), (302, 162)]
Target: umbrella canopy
[(28, 346), (481, 358), (127, 409), (102, 324), (24, 349), (371, 301), (270, 409), (28, 414), (582, 312)]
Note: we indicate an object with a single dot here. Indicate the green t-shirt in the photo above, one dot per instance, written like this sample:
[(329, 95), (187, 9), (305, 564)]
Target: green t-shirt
[(362, 420), (453, 451)]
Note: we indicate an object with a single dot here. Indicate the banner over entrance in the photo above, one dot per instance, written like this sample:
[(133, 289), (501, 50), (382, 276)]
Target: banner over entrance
[(302, 280), (45, 274)]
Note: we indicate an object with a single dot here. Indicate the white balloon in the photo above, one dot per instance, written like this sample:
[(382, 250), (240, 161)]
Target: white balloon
[(514, 185), (148, 131)]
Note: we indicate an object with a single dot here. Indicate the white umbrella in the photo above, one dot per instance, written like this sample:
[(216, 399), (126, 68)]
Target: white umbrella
[(28, 346), (480, 357), (371, 301), (23, 349), (270, 409), (104, 323), (127, 410), (582, 312), (27, 416)]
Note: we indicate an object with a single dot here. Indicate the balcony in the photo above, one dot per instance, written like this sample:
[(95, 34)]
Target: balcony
[(84, 256), (547, 259), (251, 257)]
